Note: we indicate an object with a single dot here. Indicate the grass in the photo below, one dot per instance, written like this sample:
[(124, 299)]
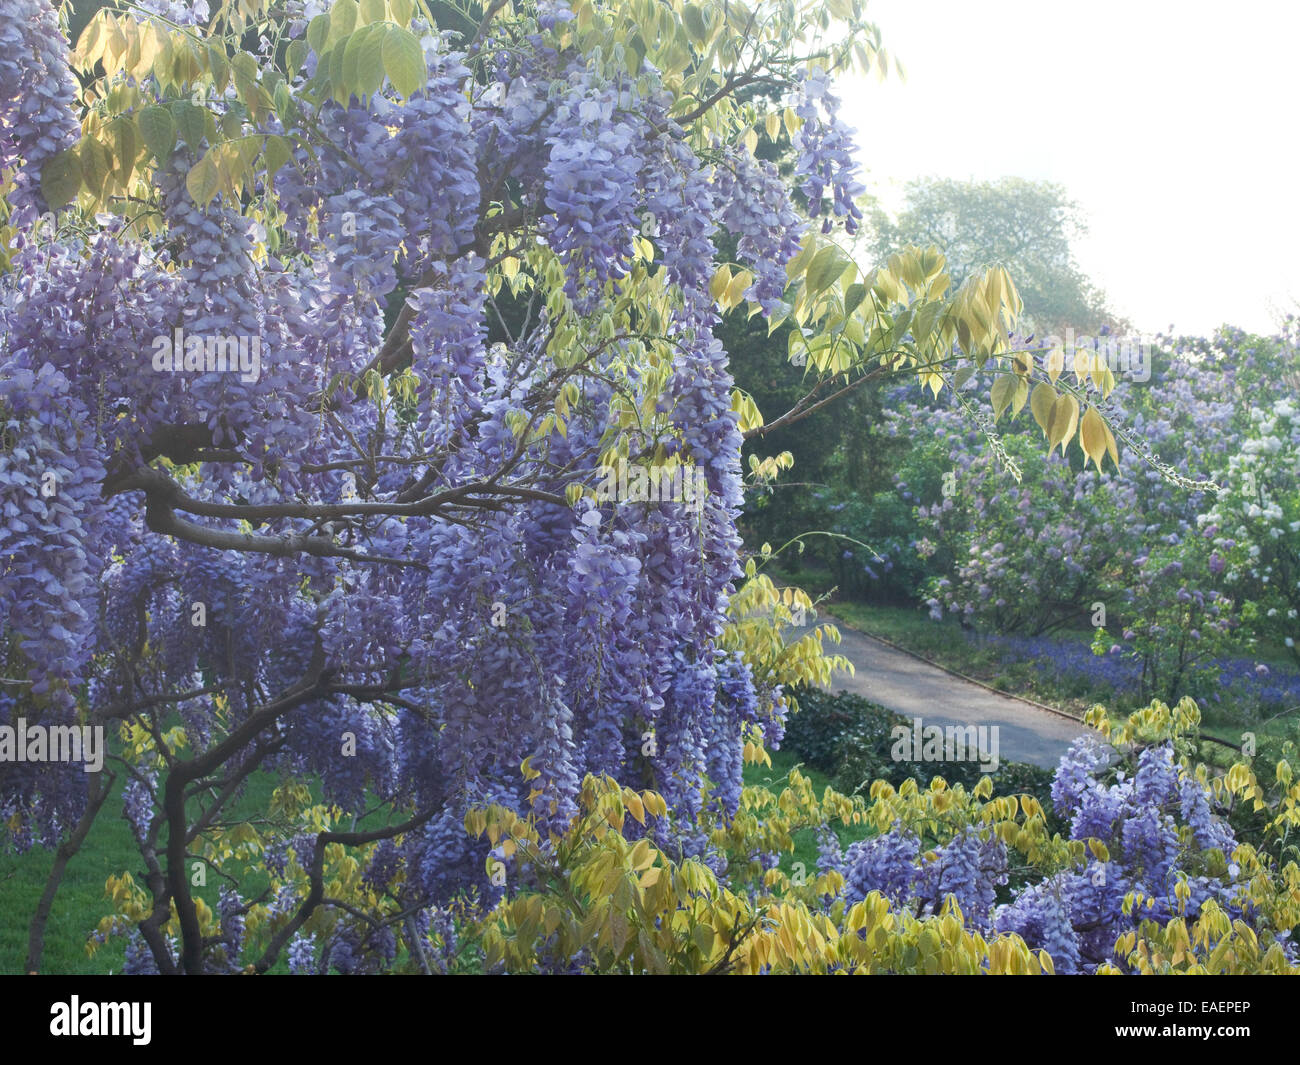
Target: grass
[(110, 849), (805, 840), (80, 901)]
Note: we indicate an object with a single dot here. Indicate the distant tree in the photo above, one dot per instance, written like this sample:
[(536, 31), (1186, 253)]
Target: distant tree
[(1029, 226)]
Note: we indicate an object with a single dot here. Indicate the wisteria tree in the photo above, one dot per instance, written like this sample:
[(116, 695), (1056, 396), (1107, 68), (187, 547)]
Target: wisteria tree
[(324, 332)]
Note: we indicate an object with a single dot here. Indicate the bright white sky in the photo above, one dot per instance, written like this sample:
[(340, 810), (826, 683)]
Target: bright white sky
[(1171, 124)]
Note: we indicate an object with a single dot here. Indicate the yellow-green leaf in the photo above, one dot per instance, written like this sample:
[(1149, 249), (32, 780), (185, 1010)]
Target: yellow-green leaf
[(126, 144), (296, 55), (1040, 404), (96, 164), (404, 61), (369, 70), (693, 18), (158, 130), (352, 55), (343, 18), (318, 32), (1003, 390), (1092, 435), (276, 153), (190, 123), (1061, 423), (61, 178), (721, 279), (1020, 395), (1055, 362), (203, 180), (826, 266), (219, 64), (736, 288), (853, 296)]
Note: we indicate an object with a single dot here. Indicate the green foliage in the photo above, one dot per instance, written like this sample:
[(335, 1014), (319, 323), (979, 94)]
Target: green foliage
[(1255, 521), (760, 615), (604, 898), (814, 734), (878, 560), (851, 738), (623, 906)]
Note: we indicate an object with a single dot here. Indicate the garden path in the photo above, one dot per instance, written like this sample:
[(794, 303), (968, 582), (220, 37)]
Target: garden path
[(914, 688)]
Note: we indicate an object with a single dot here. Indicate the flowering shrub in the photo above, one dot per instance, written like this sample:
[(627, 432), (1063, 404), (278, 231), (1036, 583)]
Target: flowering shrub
[(1254, 525), (1149, 876), (1175, 577)]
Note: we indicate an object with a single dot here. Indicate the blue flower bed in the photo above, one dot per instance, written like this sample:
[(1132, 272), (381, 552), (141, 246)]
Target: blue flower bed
[(1072, 667)]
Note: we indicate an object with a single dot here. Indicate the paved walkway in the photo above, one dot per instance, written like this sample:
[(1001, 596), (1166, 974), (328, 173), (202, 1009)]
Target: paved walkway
[(913, 688)]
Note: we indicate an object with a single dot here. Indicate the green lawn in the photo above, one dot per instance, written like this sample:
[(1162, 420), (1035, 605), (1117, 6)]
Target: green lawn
[(80, 901), (805, 841), (110, 849)]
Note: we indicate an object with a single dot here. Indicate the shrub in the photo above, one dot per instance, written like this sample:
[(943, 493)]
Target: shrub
[(850, 738)]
